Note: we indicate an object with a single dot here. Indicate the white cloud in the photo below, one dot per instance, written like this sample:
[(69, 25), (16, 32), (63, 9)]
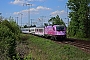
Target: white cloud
[(42, 8), (17, 2), (21, 2), (16, 13), (58, 12), (32, 10)]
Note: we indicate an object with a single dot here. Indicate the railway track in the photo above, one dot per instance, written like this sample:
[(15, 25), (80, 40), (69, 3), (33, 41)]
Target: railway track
[(83, 45)]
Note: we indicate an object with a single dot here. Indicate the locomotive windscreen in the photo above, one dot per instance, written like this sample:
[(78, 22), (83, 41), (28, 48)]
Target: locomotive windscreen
[(60, 28)]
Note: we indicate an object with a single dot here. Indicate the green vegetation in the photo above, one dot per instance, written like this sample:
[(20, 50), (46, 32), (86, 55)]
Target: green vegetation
[(80, 18), (44, 49), (9, 33), (56, 20), (17, 46)]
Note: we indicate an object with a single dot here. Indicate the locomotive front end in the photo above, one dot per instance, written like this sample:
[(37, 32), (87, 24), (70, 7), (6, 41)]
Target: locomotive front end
[(60, 31)]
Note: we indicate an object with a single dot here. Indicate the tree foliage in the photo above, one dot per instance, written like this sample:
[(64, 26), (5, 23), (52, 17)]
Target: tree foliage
[(56, 20), (45, 24), (79, 24)]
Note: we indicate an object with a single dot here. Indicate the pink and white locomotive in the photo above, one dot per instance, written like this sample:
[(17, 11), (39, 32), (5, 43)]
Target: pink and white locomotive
[(55, 31)]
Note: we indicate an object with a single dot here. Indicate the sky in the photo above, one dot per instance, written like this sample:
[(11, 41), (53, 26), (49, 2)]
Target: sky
[(40, 10)]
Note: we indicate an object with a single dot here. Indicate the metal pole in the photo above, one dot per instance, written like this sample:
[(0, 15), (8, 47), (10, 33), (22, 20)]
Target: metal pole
[(21, 18), (0, 17), (67, 15), (68, 21), (42, 20), (28, 13), (17, 20), (31, 21)]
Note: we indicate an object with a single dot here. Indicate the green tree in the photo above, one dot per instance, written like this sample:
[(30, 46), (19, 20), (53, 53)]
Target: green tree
[(79, 24), (25, 26), (45, 24), (52, 20), (56, 20)]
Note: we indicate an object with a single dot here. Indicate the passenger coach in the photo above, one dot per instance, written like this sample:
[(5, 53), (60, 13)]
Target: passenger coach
[(39, 31)]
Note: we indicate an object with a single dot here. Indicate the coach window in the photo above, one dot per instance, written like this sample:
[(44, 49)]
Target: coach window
[(32, 29), (36, 30), (41, 30)]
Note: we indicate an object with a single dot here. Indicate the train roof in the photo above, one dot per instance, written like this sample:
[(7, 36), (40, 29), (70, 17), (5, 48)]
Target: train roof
[(24, 28), (54, 25), (40, 27)]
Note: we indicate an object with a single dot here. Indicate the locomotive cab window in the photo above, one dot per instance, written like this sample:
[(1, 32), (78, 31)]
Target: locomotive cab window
[(60, 28)]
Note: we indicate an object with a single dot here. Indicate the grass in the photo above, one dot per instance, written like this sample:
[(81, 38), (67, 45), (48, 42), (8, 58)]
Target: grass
[(86, 39), (44, 49)]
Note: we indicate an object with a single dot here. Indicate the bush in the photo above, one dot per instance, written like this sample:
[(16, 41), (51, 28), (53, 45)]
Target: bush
[(14, 28), (7, 43), (9, 33)]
